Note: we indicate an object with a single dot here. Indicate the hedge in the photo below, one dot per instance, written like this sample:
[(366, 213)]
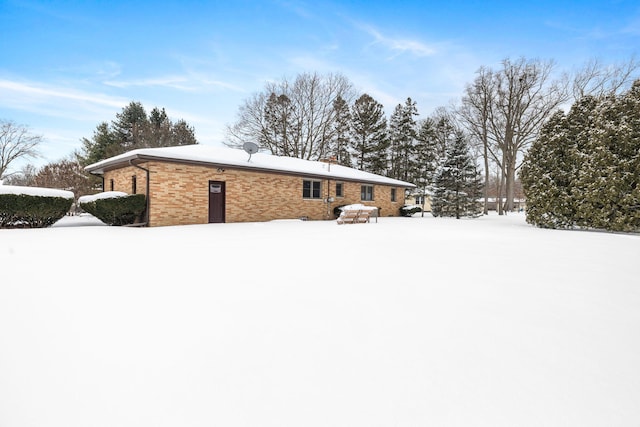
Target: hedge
[(116, 210), (27, 211), (409, 210)]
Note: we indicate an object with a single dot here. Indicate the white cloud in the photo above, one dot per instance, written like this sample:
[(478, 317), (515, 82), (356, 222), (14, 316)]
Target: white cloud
[(190, 82), (400, 45), (24, 93)]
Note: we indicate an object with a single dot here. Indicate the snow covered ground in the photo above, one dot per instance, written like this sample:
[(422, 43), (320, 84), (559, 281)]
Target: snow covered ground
[(405, 322)]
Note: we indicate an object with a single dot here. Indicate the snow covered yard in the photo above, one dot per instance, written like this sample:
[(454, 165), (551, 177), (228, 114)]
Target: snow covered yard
[(404, 322)]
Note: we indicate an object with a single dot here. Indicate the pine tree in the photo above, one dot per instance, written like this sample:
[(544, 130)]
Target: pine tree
[(280, 130), (402, 135), (133, 129), (458, 184), (369, 135), (426, 159), (129, 125), (102, 145), (339, 146)]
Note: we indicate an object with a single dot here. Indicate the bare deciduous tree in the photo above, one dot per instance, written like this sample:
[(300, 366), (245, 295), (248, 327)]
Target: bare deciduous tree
[(474, 114), (67, 174), (598, 79), (293, 118), (16, 142)]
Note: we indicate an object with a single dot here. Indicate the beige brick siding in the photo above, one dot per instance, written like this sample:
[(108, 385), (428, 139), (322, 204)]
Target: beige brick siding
[(180, 194)]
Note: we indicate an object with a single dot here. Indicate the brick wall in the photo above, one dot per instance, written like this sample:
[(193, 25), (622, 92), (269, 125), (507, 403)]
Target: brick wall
[(180, 194)]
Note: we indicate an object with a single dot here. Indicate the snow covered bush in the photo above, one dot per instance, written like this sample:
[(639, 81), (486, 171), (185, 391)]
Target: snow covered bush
[(408, 210), (32, 207), (114, 207)]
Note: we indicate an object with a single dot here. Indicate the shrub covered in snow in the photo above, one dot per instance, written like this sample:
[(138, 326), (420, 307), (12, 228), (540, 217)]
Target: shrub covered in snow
[(408, 210), (114, 207), (32, 207)]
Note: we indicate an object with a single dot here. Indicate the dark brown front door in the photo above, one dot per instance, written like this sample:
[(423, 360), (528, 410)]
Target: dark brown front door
[(216, 201)]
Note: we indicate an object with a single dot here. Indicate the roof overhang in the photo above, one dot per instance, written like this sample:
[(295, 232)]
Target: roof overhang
[(136, 158)]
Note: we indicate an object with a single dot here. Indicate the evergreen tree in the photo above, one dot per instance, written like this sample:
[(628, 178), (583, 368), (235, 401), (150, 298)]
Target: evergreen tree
[(402, 135), (280, 126), (458, 184), (102, 145), (133, 129), (547, 174), (130, 125), (584, 169), (426, 159), (610, 195), (339, 146), (369, 135), (159, 128)]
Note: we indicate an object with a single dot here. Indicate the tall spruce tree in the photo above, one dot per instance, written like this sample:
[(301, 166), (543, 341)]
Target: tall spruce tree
[(402, 136), (280, 130), (339, 145), (369, 135), (458, 183), (130, 124), (426, 159), (103, 144)]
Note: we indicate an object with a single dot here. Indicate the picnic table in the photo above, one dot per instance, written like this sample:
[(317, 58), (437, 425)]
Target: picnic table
[(357, 214)]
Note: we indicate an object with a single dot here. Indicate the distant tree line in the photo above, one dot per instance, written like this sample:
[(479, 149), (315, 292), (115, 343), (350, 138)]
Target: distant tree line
[(499, 116), (319, 117)]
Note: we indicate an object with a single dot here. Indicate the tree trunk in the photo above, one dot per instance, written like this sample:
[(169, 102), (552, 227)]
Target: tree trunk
[(487, 175)]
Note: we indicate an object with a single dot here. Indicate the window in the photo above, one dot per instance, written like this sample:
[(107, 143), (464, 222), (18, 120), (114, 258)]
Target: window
[(419, 200), (111, 185), (339, 192), (366, 192), (393, 194), (310, 189), (133, 185)]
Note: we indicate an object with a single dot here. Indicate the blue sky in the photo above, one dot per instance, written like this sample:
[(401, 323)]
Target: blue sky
[(66, 66)]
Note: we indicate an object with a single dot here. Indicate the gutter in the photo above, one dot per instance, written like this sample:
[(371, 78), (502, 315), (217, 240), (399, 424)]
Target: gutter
[(148, 199)]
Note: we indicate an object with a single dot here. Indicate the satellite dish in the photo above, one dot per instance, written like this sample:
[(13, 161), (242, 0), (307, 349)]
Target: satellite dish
[(250, 148)]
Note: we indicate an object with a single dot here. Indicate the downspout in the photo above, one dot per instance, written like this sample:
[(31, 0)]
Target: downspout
[(146, 211)]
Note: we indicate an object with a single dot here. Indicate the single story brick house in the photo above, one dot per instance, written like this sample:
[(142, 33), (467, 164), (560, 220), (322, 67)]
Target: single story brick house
[(200, 184)]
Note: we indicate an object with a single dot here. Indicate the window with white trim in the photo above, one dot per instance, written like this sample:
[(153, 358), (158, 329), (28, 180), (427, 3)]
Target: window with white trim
[(366, 192), (311, 189)]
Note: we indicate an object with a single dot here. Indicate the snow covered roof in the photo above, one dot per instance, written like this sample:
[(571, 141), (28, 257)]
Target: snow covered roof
[(235, 158), (35, 191), (104, 195)]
